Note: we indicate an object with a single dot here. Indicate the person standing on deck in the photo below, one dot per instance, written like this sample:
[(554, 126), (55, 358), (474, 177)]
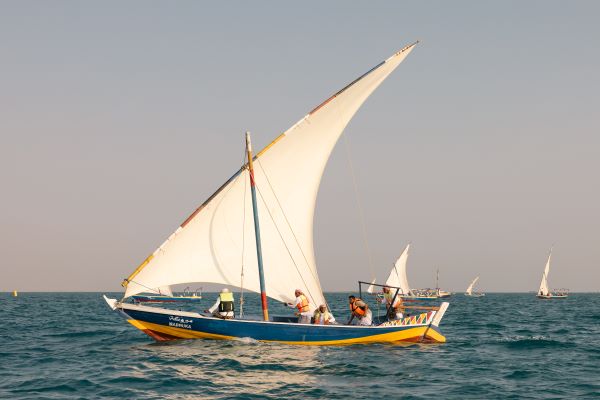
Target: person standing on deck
[(361, 310), (303, 307), (322, 316), (224, 306), (394, 310)]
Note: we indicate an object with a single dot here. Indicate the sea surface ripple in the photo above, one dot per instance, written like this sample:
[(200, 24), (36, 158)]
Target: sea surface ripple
[(72, 346)]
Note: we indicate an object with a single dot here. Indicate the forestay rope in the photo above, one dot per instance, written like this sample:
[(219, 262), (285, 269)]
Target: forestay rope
[(359, 207), (293, 233), (284, 243)]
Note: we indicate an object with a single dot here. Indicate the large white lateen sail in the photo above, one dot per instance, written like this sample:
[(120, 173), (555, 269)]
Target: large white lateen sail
[(470, 288), (207, 247), (398, 276), (544, 291)]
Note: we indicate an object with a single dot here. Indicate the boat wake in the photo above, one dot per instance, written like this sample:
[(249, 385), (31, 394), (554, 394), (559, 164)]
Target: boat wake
[(247, 340), (533, 342)]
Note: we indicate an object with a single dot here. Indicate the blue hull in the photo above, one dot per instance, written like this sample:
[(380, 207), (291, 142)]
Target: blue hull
[(164, 324)]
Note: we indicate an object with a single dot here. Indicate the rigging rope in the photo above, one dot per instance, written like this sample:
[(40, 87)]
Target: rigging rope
[(243, 243), (283, 240), (359, 206), (313, 273)]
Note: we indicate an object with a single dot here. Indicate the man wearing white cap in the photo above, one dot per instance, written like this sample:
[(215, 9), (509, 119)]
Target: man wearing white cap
[(303, 307), (224, 306)]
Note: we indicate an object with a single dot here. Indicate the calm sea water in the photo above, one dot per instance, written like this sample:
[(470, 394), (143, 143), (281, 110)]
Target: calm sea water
[(70, 345)]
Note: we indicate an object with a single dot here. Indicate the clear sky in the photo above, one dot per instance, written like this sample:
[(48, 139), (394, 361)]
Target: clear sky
[(117, 119)]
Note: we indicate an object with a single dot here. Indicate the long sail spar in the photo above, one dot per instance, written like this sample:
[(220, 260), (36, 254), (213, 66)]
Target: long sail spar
[(208, 245)]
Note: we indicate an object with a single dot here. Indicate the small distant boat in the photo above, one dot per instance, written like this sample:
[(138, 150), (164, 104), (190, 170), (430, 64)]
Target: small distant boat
[(371, 287), (399, 278), (545, 292), (423, 294), (439, 292), (165, 295), (470, 292), (15, 294)]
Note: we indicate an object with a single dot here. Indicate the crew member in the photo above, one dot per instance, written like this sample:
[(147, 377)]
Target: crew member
[(224, 306), (302, 306), (395, 309), (322, 316), (361, 310)]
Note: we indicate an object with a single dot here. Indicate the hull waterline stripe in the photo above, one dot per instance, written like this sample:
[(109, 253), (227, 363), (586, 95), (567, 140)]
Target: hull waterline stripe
[(410, 335)]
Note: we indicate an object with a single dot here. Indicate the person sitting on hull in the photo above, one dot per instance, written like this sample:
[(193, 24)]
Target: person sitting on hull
[(322, 316), (361, 310), (303, 307), (224, 306)]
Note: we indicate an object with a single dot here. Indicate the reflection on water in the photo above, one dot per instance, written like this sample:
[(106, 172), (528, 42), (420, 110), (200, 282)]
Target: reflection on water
[(242, 365)]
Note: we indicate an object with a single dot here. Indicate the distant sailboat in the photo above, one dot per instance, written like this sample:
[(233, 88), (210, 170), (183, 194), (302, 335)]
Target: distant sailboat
[(398, 278), (440, 293), (469, 291), (210, 245), (164, 294), (545, 292), (371, 287)]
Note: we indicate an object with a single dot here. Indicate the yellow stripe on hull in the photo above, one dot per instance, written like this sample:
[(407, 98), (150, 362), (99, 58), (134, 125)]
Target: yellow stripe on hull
[(435, 336), (408, 335)]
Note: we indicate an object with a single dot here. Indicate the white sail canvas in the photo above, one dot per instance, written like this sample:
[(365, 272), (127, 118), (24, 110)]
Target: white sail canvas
[(371, 287), (207, 247), (544, 291), (470, 288), (398, 276)]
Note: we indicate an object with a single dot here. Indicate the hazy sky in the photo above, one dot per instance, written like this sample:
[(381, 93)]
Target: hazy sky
[(118, 119)]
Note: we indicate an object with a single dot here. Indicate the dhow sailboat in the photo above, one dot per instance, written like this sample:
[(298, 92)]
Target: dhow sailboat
[(256, 233), (398, 278), (544, 292), (470, 292), (166, 295)]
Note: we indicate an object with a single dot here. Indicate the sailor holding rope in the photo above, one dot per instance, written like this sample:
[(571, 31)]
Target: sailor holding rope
[(361, 310), (395, 309), (303, 307)]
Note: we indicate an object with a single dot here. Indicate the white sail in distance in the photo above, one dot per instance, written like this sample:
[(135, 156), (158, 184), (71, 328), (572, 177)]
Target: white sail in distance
[(544, 284), (398, 276), (470, 288), (165, 291), (207, 247), (371, 287)]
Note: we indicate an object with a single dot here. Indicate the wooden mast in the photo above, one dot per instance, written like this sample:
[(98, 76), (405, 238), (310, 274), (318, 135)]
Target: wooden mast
[(263, 294)]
